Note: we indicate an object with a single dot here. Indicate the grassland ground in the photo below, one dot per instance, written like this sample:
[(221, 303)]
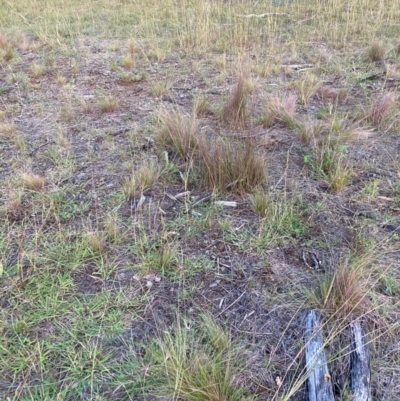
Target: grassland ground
[(180, 181)]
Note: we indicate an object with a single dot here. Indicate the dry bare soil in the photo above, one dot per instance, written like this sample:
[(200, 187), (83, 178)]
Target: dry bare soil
[(124, 124)]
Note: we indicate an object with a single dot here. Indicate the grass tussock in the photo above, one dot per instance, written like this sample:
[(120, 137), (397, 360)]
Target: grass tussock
[(32, 181), (227, 165), (141, 180), (329, 162), (178, 132), (375, 51), (280, 111), (108, 105), (235, 111), (381, 109), (37, 70), (344, 294), (306, 88), (196, 364), (7, 130)]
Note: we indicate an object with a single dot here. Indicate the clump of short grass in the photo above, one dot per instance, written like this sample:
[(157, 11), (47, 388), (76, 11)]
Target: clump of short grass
[(33, 181), (61, 80), (329, 162), (198, 364), (132, 46), (375, 51), (178, 132), (345, 292), (279, 111), (8, 53), (280, 218), (306, 88), (157, 55), (160, 88), (201, 107), (235, 111), (7, 130), (141, 180), (381, 109), (108, 104), (96, 241), (128, 62), (37, 70), (231, 165)]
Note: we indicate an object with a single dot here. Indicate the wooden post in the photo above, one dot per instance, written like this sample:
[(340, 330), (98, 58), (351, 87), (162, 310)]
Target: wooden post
[(319, 386), (360, 370)]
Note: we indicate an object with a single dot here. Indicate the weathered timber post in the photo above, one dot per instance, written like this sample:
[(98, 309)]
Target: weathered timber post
[(319, 386), (360, 370)]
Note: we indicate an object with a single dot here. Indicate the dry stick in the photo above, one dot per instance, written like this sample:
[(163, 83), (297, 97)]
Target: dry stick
[(205, 199), (260, 15), (233, 303)]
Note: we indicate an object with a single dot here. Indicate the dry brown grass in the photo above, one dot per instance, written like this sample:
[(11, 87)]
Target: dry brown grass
[(381, 109), (345, 293), (108, 105), (178, 132), (37, 70), (235, 112), (375, 52), (227, 165), (7, 130), (33, 181), (280, 111)]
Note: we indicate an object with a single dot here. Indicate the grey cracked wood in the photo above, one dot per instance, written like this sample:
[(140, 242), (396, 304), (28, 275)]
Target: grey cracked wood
[(360, 370), (319, 386)]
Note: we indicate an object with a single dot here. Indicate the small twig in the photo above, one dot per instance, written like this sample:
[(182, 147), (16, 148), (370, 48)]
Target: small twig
[(205, 199), (233, 303), (260, 15)]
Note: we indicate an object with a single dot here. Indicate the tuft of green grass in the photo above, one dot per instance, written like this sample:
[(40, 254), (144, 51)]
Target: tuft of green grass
[(160, 88), (196, 364), (281, 219), (128, 62), (141, 180), (37, 70), (108, 105), (329, 162)]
